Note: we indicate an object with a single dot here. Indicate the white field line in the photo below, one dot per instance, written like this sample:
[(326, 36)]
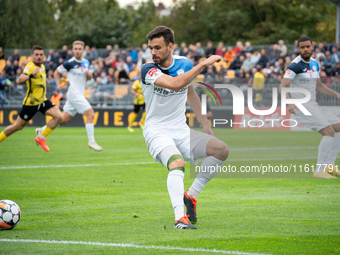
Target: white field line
[(129, 245)]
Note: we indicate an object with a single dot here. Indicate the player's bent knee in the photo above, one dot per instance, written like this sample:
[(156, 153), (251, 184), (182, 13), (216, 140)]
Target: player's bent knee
[(327, 131), (220, 150), (176, 162)]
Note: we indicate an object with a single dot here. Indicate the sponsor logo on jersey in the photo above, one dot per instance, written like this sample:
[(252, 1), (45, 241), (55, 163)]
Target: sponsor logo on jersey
[(310, 71), (304, 70), (152, 72), (180, 71)]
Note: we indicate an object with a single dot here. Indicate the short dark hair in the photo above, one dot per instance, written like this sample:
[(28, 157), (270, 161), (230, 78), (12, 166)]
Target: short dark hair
[(167, 33), (304, 39), (37, 47)]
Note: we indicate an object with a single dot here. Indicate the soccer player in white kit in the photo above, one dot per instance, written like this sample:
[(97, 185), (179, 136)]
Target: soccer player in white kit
[(78, 73), (166, 88), (303, 72)]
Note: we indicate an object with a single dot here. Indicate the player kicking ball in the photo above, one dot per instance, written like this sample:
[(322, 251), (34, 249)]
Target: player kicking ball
[(78, 73), (35, 100), (303, 72), (166, 88)]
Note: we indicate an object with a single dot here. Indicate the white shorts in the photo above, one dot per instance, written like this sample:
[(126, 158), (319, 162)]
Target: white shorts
[(319, 119), (76, 105), (191, 144)]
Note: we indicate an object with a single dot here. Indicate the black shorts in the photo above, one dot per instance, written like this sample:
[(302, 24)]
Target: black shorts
[(27, 112), (138, 107)]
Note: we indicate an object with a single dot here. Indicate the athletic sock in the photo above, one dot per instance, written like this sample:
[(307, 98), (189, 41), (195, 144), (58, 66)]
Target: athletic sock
[(42, 129), (176, 192), (45, 133), (204, 176), (143, 118), (90, 132), (132, 118), (2, 136), (335, 149), (325, 147)]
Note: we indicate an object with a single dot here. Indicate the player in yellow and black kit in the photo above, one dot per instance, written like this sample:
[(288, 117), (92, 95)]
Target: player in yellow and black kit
[(35, 100), (139, 103)]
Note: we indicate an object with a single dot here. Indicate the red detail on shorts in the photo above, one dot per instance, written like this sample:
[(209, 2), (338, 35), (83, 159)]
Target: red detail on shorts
[(288, 72)]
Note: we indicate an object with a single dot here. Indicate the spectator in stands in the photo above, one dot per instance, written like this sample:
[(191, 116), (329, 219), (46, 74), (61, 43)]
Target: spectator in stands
[(175, 50), (133, 54), (103, 77), (248, 47), (228, 55), (319, 53), (210, 49), (116, 49), (113, 60), (63, 53), (146, 53), (56, 57), (56, 97), (322, 47), (324, 78), (267, 69), (255, 57), (258, 86), (273, 54), (15, 66), (123, 72), (101, 92), (111, 75), (330, 46), (263, 59), (282, 48), (239, 47), (287, 62), (107, 64), (194, 54), (219, 50), (49, 56), (123, 54), (15, 56), (210, 75), (2, 53), (140, 59), (69, 55), (87, 53), (9, 69), (130, 64), (3, 87), (181, 49), (50, 80), (200, 50), (247, 65), (328, 61), (335, 57), (108, 51), (237, 63), (94, 52)]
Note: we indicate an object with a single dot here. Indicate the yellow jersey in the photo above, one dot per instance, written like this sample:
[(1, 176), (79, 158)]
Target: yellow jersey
[(137, 86), (36, 86)]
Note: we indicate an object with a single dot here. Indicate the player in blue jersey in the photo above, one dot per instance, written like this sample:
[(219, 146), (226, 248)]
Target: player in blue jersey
[(166, 84), (78, 73), (303, 72)]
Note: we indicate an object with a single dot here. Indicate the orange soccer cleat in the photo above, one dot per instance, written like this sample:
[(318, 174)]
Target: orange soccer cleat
[(42, 143)]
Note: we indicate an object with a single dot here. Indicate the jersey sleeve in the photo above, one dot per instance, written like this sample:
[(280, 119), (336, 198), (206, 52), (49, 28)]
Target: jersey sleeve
[(291, 71), (150, 73), (64, 67), (29, 68)]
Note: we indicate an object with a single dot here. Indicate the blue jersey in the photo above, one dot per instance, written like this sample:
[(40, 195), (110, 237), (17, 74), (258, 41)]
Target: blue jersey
[(76, 75), (164, 107), (304, 75)]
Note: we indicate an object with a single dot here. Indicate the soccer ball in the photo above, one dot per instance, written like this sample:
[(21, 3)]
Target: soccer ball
[(9, 214)]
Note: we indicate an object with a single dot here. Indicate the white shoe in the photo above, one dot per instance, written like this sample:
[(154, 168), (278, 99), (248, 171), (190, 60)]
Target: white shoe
[(38, 131), (95, 146)]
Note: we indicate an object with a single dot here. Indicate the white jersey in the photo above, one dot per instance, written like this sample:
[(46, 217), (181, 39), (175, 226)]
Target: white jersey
[(304, 75), (165, 108), (76, 74)]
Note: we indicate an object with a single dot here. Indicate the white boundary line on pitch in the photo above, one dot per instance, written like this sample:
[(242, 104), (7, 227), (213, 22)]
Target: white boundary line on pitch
[(129, 245), (145, 163)]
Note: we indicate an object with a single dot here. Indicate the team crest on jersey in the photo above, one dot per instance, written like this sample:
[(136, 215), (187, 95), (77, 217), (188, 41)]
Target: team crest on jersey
[(314, 68), (152, 72), (180, 71)]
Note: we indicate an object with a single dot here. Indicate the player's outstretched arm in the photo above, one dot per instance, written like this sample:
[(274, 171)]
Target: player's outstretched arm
[(195, 104), (285, 83), (325, 90), (181, 81), (56, 76)]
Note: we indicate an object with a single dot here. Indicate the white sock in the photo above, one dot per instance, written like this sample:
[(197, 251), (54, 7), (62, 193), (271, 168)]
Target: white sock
[(204, 176), (90, 132), (42, 130), (176, 192), (324, 149), (335, 149)]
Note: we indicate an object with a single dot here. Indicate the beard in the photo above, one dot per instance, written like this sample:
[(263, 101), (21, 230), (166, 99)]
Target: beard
[(162, 60)]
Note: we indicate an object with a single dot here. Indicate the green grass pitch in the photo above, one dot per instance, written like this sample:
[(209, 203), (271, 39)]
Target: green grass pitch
[(75, 194)]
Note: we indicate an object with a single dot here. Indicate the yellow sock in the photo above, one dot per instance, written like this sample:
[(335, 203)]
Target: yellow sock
[(2, 136), (132, 119), (46, 132), (143, 118)]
